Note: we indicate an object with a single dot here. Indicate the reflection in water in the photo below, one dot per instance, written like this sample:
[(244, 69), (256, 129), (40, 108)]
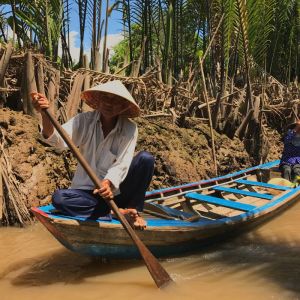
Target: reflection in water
[(263, 264)]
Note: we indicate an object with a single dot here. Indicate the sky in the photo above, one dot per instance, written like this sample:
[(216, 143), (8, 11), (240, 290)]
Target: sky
[(114, 24)]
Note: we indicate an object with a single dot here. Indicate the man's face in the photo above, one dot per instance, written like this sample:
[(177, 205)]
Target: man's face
[(112, 107)]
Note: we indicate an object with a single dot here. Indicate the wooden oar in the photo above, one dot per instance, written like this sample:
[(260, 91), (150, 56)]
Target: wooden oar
[(158, 273)]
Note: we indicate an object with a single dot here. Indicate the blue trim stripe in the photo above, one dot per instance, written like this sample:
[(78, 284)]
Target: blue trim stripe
[(220, 201), (263, 208), (49, 208), (171, 211), (262, 166), (242, 192), (155, 222), (201, 223), (263, 184)]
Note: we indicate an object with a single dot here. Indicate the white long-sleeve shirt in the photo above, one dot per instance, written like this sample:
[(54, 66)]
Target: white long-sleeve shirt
[(109, 157)]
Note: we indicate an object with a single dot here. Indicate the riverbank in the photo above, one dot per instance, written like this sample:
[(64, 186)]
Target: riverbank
[(182, 154)]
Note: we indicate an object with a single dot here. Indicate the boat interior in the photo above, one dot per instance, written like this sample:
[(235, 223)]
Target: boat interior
[(218, 198)]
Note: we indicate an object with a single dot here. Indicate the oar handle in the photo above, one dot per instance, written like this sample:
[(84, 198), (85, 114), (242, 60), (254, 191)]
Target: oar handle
[(158, 273)]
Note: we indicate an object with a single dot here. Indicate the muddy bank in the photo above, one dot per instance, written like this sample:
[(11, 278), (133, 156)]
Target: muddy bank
[(182, 154)]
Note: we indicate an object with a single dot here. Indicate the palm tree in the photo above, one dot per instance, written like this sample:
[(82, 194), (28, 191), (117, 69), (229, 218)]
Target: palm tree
[(44, 18), (82, 13), (3, 26)]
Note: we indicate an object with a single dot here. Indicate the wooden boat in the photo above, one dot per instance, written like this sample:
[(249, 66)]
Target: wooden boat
[(181, 218)]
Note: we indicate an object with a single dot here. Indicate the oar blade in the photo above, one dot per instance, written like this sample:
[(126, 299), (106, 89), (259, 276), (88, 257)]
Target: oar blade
[(158, 273), (160, 276)]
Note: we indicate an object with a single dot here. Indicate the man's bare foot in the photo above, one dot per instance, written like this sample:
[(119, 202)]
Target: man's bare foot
[(133, 217)]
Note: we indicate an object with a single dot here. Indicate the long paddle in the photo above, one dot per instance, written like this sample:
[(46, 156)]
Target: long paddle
[(158, 273)]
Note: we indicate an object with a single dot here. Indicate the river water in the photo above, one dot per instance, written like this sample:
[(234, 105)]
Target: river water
[(262, 264)]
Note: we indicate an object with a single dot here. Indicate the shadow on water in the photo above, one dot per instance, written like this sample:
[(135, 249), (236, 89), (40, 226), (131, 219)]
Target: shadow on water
[(251, 256), (62, 267), (277, 261)]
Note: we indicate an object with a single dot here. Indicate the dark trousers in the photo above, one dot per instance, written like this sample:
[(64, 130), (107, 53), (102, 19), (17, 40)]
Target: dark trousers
[(290, 172), (83, 203)]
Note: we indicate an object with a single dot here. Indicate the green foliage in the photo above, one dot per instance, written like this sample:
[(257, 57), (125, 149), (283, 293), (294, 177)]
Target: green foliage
[(271, 29), (172, 30), (261, 26), (177, 33), (44, 19), (284, 42), (121, 51)]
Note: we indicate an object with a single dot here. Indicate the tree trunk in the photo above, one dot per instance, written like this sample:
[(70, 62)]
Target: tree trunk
[(3, 67), (82, 7), (243, 22), (40, 78), (30, 84), (105, 37), (74, 97), (53, 90), (86, 85)]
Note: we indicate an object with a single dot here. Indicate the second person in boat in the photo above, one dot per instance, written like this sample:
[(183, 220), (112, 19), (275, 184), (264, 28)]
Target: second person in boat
[(290, 160)]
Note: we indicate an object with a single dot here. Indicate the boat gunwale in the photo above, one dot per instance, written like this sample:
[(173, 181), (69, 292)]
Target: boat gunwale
[(273, 204), (185, 188)]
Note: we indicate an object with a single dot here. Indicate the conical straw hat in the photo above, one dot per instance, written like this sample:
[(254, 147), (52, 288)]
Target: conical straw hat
[(97, 93)]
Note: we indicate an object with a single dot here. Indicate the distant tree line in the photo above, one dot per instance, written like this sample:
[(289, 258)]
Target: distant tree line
[(259, 34)]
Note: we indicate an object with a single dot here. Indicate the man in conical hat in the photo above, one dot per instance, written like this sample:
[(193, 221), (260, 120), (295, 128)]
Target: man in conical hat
[(107, 138)]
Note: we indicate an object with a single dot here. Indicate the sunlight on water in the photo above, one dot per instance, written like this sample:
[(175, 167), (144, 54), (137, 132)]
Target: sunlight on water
[(262, 264)]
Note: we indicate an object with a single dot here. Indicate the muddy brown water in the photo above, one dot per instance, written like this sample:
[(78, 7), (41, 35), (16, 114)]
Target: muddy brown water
[(261, 264)]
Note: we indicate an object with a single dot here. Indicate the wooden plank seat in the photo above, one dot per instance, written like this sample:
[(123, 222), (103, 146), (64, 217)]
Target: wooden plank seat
[(220, 202), (263, 184), (242, 192), (165, 210)]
